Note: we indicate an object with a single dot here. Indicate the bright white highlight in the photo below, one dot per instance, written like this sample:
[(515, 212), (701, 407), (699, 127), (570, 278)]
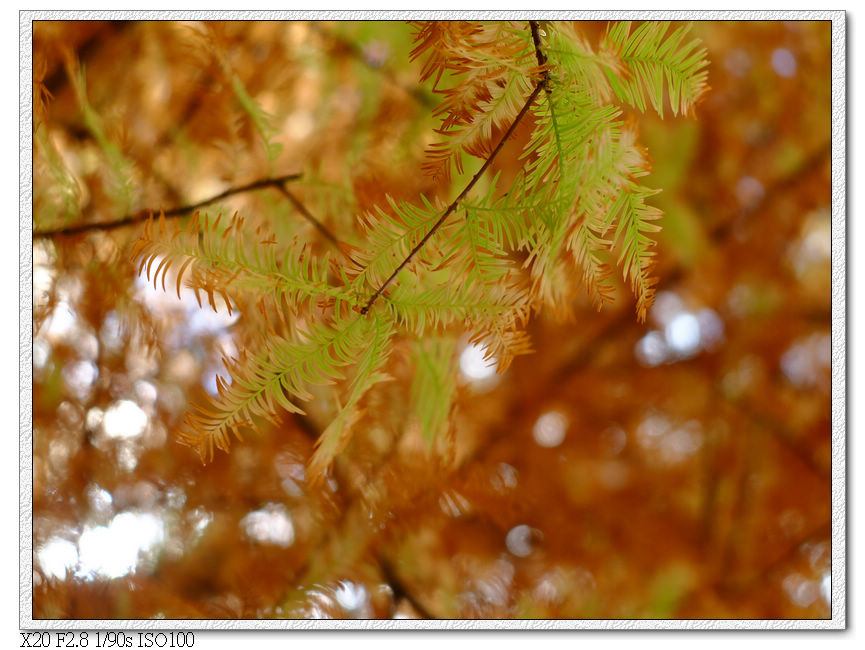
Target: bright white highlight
[(100, 500), (683, 334), (270, 525), (113, 551), (351, 596), (474, 366), (79, 377), (56, 556), (826, 588), (41, 353), (60, 323), (124, 419)]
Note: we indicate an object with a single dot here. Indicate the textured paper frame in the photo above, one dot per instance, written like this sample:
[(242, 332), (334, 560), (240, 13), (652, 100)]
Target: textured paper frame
[(838, 328)]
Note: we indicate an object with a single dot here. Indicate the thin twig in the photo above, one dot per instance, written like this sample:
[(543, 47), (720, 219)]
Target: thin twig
[(456, 201), (543, 84), (400, 589), (539, 55), (730, 589), (300, 207), (417, 93), (141, 215)]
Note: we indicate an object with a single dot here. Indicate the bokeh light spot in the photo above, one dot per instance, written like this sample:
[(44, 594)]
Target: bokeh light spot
[(473, 364), (550, 429), (683, 334), (784, 63), (352, 597), (270, 525), (651, 350), (79, 377), (750, 192), (113, 551), (124, 419), (737, 62), (800, 590), (56, 556), (519, 541), (826, 588)]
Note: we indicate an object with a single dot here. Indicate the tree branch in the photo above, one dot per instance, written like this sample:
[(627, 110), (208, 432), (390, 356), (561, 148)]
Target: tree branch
[(539, 55), (543, 84), (417, 93), (462, 195), (300, 207), (400, 589), (141, 215)]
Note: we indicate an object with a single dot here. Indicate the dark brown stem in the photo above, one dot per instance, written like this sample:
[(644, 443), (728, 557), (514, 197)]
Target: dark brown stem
[(141, 215), (735, 589), (400, 589), (536, 39), (456, 201), (418, 94), (539, 54), (300, 207)]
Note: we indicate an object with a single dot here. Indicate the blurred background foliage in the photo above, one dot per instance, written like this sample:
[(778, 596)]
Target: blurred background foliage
[(679, 468)]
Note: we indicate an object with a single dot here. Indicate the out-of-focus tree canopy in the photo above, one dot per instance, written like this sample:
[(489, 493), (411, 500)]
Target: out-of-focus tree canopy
[(672, 468)]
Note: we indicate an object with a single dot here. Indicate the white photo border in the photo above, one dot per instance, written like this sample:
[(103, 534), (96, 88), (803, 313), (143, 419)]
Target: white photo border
[(838, 621)]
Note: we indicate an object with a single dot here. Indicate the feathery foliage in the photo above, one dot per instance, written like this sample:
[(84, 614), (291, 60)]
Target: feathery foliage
[(434, 385), (119, 183), (226, 263), (283, 374), (430, 272), (491, 66), (650, 57)]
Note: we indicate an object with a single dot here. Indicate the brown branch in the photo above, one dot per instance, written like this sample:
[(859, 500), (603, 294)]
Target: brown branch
[(543, 84), (417, 93), (462, 195), (400, 589), (776, 189), (300, 207), (141, 215), (85, 51), (735, 589), (539, 55)]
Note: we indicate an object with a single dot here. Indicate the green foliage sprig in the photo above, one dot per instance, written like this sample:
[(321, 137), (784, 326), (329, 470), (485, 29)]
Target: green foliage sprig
[(483, 263)]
